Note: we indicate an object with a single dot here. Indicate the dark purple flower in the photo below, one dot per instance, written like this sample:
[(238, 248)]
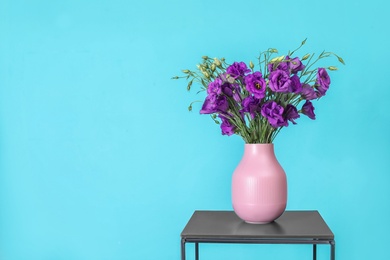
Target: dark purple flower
[(295, 65), (295, 84), (237, 69), (274, 114), (308, 92), (209, 105), (215, 87), (308, 109), (228, 89), (291, 113), (322, 82), (279, 66), (255, 84), (237, 93), (279, 81), (214, 104), (232, 90), (237, 96), (251, 105), (226, 127), (222, 103)]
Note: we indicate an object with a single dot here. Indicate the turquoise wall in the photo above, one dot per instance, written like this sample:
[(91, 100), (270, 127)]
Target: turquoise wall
[(100, 159)]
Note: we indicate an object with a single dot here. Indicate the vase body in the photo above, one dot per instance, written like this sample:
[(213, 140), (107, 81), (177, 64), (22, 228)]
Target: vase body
[(259, 185)]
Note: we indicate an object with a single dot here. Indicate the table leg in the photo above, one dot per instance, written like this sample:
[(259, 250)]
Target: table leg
[(196, 251), (314, 251), (183, 249), (332, 250)]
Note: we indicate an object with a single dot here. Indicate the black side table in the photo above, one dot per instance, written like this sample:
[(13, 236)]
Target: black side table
[(293, 227)]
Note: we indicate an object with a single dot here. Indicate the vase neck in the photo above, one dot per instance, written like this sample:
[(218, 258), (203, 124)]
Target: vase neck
[(263, 150)]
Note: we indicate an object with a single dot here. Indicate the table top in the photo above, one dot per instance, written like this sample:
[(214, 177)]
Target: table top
[(227, 225)]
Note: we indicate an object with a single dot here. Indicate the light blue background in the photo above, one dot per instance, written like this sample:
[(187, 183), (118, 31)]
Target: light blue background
[(100, 159)]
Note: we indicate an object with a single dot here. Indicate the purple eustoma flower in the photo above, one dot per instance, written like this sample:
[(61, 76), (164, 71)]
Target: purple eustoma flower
[(308, 92), (227, 127), (295, 65), (209, 105), (214, 104), (295, 84), (228, 89), (279, 81), (291, 66), (236, 95), (215, 87), (322, 82), (281, 66), (291, 113), (256, 85), (232, 90), (274, 114), (251, 105), (308, 109), (238, 69), (222, 103)]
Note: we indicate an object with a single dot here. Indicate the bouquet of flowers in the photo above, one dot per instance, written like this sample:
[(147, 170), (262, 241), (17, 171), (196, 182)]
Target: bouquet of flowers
[(257, 104)]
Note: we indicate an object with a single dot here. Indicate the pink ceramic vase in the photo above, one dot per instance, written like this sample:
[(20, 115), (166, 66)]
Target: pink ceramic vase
[(259, 185)]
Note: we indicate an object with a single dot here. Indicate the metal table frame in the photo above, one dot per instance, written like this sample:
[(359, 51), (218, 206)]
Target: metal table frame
[(226, 227)]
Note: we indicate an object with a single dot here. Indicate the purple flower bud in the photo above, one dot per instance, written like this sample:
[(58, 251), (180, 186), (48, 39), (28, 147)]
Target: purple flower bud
[(237, 97), (227, 127), (322, 82), (308, 109), (291, 113)]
